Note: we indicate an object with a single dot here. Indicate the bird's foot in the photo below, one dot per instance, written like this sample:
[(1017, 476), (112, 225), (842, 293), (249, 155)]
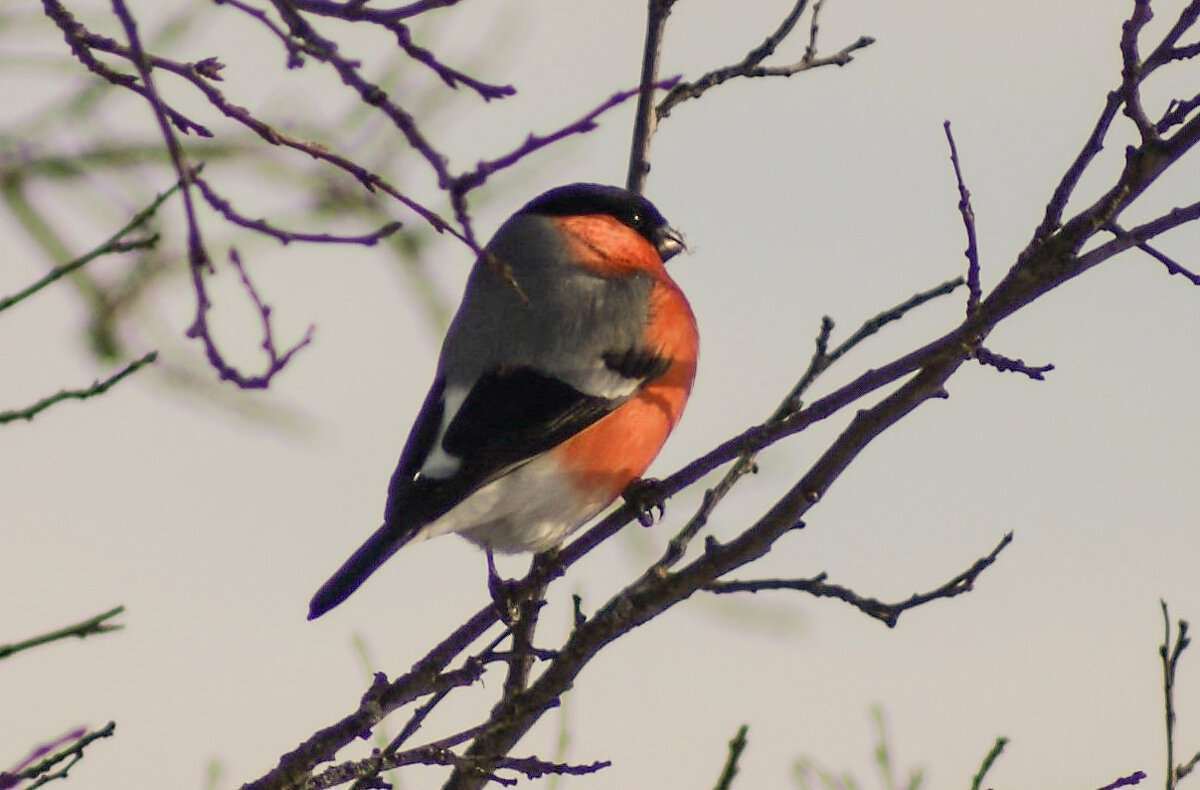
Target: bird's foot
[(505, 593), (645, 496)]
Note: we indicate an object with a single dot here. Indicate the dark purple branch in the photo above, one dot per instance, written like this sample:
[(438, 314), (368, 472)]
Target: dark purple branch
[(82, 42), (199, 330), (358, 10), (888, 613), (367, 770), (1126, 781), (295, 49), (1136, 237), (751, 65), (1166, 51), (226, 209), (1177, 112), (1007, 365), (1070, 180), (821, 361), (475, 178), (425, 677), (974, 291), (392, 20), (326, 50), (1132, 70), (198, 258), (645, 120)]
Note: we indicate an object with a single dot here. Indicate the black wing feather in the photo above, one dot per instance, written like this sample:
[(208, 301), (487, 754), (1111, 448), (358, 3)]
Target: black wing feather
[(508, 417)]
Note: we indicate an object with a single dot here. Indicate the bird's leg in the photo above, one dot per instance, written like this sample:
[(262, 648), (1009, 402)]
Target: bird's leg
[(644, 496), (506, 603)]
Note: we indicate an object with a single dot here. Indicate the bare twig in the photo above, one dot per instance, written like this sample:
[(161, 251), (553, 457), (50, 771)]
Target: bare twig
[(888, 613), (115, 243), (363, 771), (89, 627), (1172, 266), (974, 291), (392, 19), (988, 762), (226, 209), (751, 65), (791, 404), (99, 387), (276, 361), (1126, 781), (645, 119), (1169, 652), (476, 177), (729, 771), (1007, 365), (39, 767)]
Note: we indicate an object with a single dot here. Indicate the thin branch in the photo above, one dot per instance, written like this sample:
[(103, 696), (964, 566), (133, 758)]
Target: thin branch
[(1169, 653), (475, 178), (114, 244), (276, 361), (751, 64), (888, 613), (974, 291), (1186, 768), (1132, 71), (367, 770), (729, 771), (391, 19), (89, 627), (77, 37), (381, 699), (1008, 365), (1172, 266), (226, 209), (988, 761), (99, 387), (1126, 781), (43, 772), (789, 407), (326, 50), (1137, 236), (645, 120), (1177, 112)]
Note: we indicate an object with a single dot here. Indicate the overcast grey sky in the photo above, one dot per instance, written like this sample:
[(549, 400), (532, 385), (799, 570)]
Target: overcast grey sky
[(827, 194)]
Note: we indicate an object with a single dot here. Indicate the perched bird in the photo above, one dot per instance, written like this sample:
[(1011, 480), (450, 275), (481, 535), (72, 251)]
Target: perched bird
[(567, 364)]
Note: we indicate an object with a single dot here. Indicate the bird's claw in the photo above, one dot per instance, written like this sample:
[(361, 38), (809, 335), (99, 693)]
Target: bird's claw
[(503, 592), (645, 496)]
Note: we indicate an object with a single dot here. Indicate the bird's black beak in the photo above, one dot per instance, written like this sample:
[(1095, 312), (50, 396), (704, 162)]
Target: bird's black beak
[(668, 242)]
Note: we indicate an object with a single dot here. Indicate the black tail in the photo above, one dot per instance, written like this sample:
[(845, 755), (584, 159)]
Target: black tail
[(386, 541)]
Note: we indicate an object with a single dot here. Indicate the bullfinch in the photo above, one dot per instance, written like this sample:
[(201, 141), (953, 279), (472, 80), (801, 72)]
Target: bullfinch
[(567, 364)]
